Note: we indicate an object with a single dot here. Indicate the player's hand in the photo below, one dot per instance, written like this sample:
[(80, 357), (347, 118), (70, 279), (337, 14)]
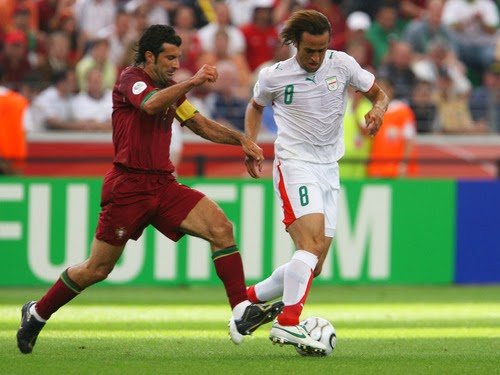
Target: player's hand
[(374, 120), (254, 167), (254, 157), (207, 73)]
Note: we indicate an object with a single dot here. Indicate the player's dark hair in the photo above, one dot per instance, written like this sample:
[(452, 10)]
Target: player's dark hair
[(152, 40), (310, 21)]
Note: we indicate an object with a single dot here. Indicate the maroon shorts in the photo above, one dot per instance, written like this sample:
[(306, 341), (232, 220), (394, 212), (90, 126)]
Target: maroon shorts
[(132, 201)]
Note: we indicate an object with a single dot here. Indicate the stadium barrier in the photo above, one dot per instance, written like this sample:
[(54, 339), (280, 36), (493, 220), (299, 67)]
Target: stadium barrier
[(389, 232)]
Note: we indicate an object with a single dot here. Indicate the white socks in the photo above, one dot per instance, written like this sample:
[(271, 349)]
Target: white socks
[(301, 265), (272, 287), (297, 276)]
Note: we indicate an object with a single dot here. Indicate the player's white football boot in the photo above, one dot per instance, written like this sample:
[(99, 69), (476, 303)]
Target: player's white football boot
[(296, 336)]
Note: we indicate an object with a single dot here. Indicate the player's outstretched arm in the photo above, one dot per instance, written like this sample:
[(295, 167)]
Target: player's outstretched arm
[(380, 103), (253, 120), (215, 132), (168, 96)]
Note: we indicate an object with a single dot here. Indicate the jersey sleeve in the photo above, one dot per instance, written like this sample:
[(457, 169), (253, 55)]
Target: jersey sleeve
[(361, 79), (135, 89), (261, 93)]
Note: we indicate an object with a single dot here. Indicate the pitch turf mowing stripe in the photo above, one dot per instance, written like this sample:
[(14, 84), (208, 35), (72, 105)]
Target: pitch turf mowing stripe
[(221, 334), (338, 313), (382, 330)]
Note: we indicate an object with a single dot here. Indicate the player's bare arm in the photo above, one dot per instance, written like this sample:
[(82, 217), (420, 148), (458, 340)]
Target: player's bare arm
[(253, 120), (215, 132), (380, 102), (168, 96)]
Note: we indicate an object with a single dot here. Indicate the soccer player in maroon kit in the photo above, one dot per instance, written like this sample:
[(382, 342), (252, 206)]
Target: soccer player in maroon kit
[(140, 188)]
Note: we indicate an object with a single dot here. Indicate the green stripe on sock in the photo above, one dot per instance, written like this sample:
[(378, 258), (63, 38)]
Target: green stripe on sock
[(224, 252), (69, 283)]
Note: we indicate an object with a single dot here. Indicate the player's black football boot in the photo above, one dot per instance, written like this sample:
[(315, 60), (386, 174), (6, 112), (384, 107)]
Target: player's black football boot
[(253, 317), (29, 329)]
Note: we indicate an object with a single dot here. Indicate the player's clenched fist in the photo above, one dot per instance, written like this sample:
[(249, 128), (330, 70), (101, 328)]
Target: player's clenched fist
[(206, 73)]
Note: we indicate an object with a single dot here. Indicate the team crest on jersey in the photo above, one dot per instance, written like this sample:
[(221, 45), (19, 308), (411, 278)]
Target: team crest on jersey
[(139, 87), (331, 83), (120, 232)]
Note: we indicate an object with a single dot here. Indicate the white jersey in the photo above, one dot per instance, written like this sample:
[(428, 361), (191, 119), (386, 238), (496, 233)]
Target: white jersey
[(309, 107)]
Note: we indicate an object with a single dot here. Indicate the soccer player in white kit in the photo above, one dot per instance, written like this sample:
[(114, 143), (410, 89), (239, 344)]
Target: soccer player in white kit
[(309, 94)]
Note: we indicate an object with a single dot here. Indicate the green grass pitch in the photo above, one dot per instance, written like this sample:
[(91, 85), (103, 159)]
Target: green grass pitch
[(380, 330)]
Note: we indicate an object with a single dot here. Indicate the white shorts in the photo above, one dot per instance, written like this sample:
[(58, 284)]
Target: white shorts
[(305, 188)]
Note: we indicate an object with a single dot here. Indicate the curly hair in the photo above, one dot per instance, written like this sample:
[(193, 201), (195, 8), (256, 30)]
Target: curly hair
[(152, 40), (310, 21)]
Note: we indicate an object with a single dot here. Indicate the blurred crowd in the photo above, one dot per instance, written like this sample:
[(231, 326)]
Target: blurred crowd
[(441, 58)]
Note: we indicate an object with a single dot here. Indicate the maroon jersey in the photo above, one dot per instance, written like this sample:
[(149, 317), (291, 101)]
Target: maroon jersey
[(141, 141)]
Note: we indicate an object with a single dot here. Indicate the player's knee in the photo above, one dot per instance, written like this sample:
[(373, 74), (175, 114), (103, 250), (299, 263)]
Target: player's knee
[(317, 270), (221, 230), (101, 273), (316, 245)]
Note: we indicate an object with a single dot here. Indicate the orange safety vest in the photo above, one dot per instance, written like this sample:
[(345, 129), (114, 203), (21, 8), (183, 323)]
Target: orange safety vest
[(390, 142), (12, 135)]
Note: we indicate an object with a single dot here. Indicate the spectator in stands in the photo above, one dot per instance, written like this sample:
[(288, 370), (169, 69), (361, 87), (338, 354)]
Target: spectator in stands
[(453, 114), (12, 135), (58, 58), (21, 20), (67, 25), (336, 17), (393, 148), (51, 109), (412, 9), (383, 31), (139, 23), (221, 53), (440, 56), (94, 15), (485, 100), (284, 8), (260, 35), (355, 40), (50, 13), (202, 9), (420, 33), (398, 68), (236, 40), (8, 8), (119, 35), (14, 58), (91, 109), (98, 56), (31, 85), (47, 11), (423, 106), (229, 105), (184, 24), (369, 7), (157, 11), (241, 11), (474, 25), (353, 164)]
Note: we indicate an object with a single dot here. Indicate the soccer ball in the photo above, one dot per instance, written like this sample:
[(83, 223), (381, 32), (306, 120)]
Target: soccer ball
[(320, 330)]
